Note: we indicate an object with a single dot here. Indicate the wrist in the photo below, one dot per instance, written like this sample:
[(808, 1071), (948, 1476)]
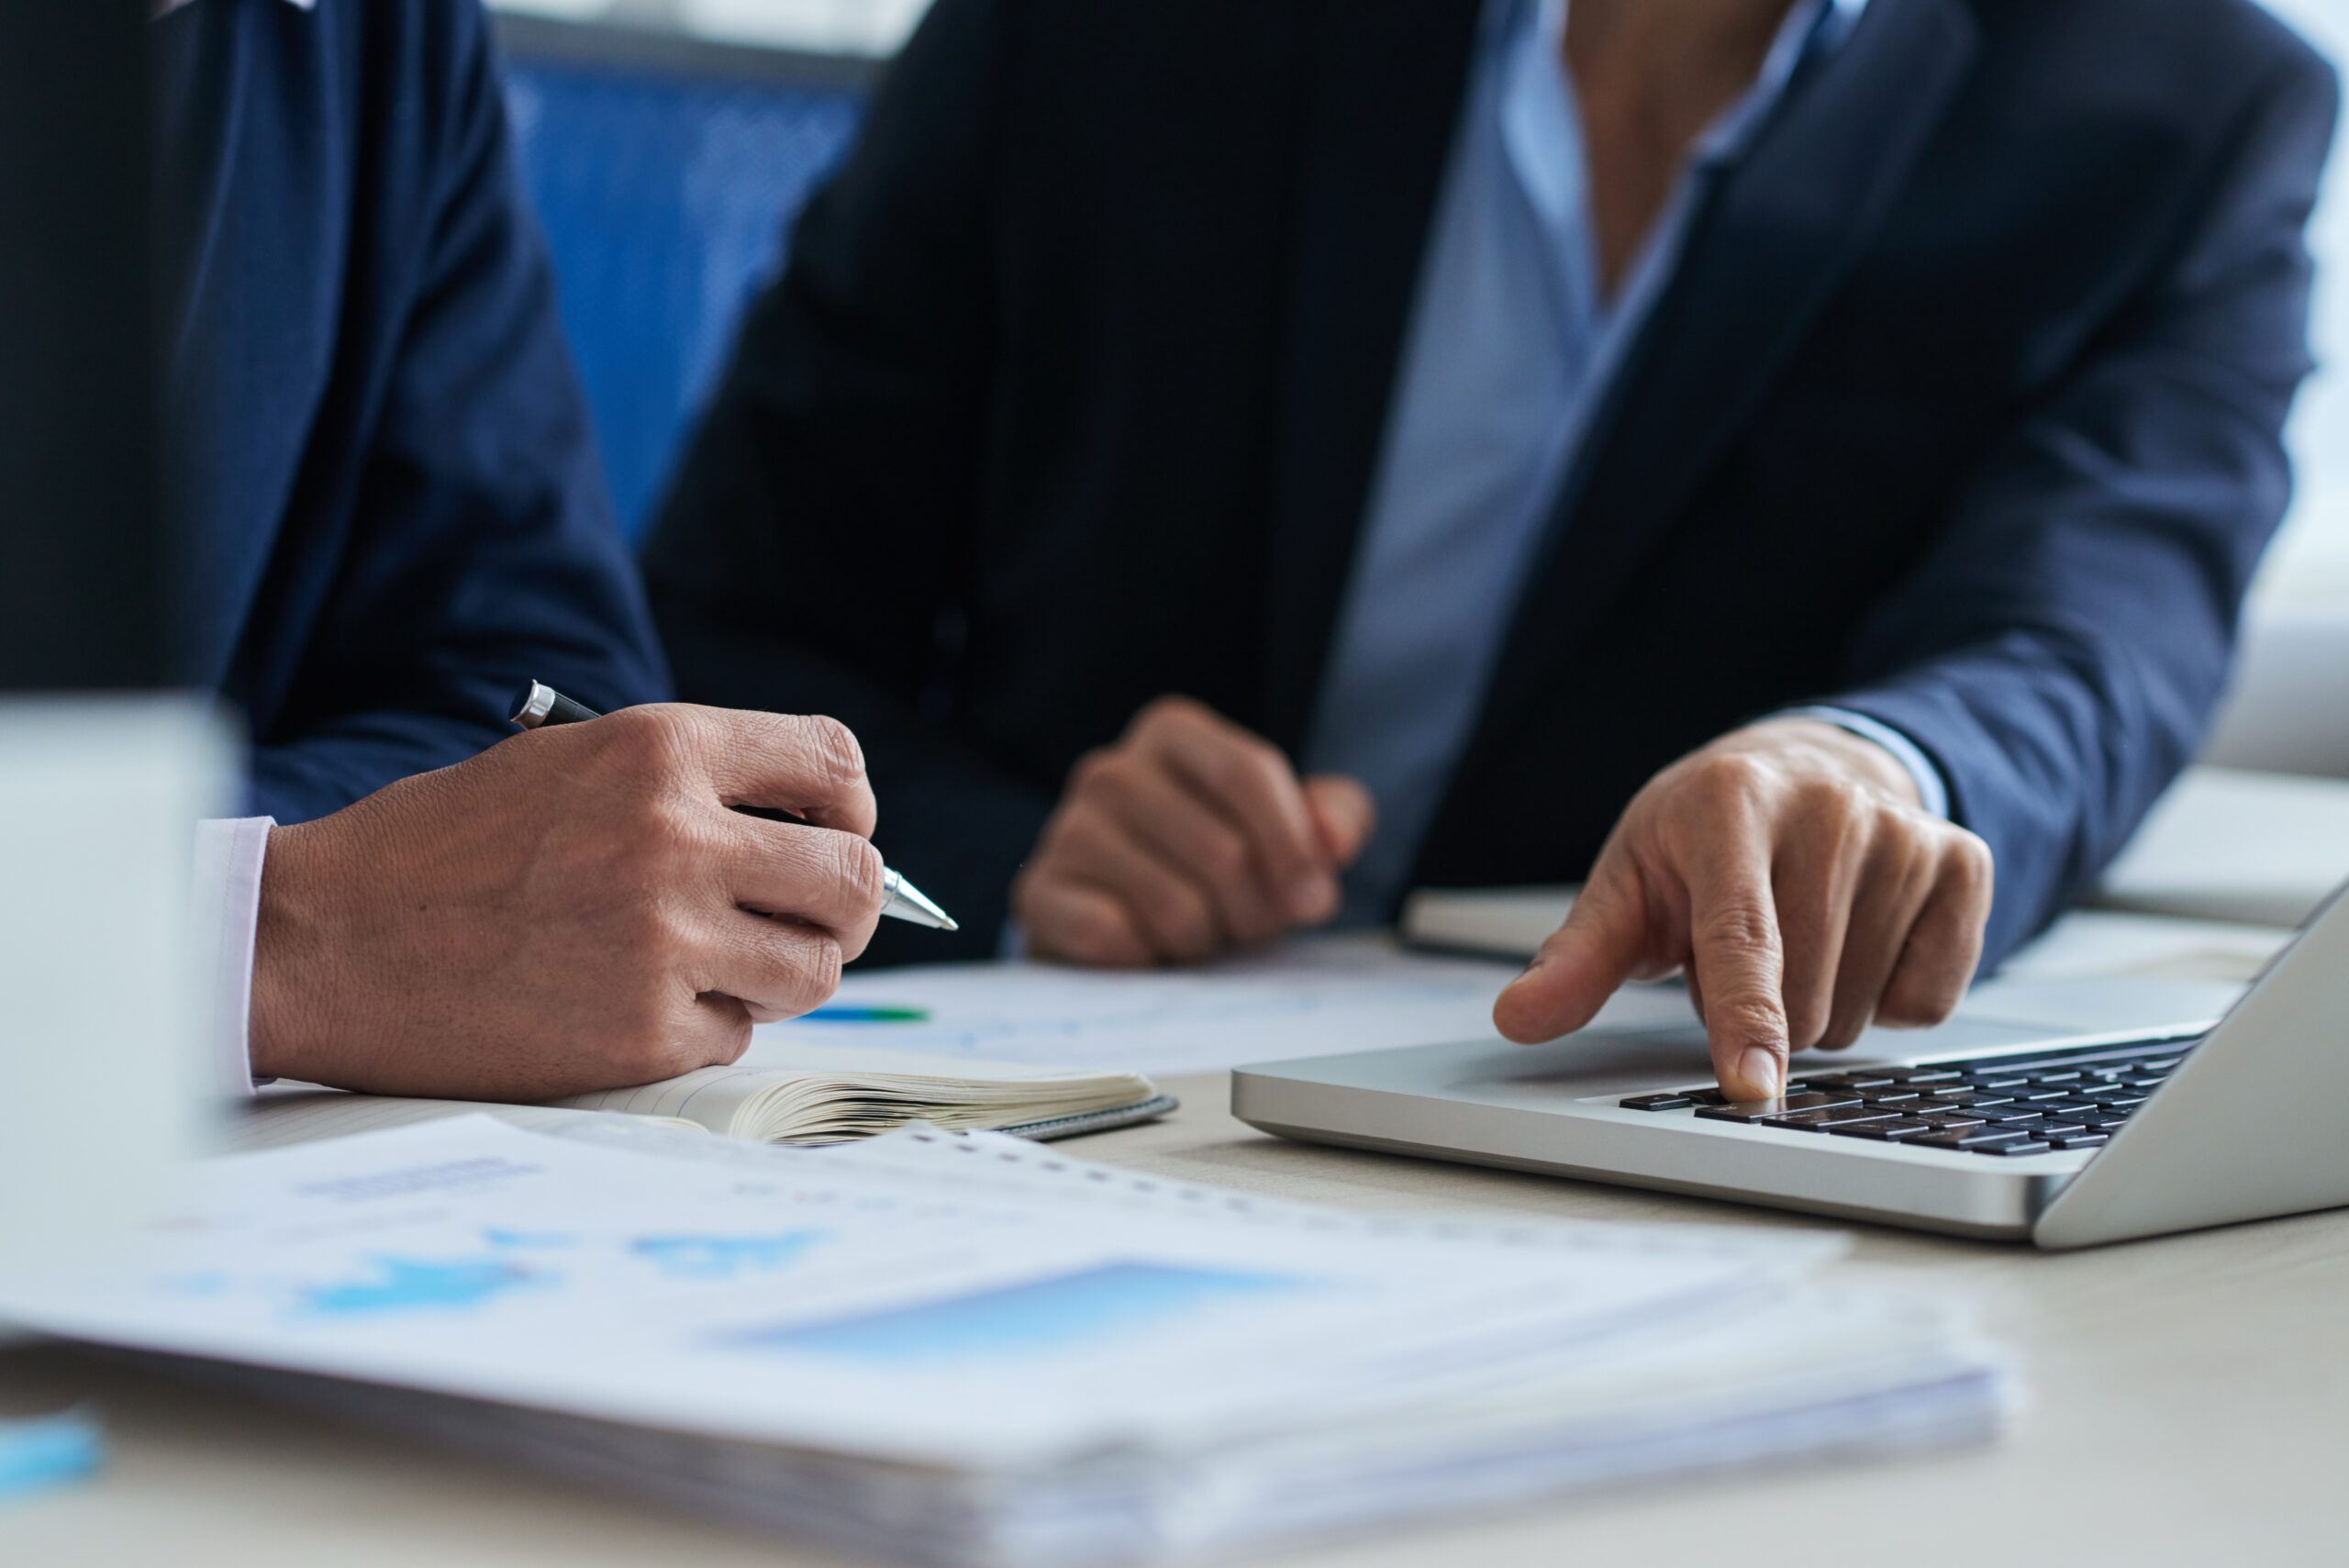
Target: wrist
[(289, 989)]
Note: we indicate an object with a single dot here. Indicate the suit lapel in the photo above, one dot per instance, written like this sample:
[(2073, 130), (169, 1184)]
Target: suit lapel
[(1383, 97), (1771, 247)]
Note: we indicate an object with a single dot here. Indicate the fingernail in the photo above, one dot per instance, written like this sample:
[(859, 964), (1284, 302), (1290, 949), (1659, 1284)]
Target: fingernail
[(1759, 1068)]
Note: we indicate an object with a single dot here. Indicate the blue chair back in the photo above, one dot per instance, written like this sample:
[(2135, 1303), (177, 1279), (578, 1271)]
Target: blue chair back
[(666, 176)]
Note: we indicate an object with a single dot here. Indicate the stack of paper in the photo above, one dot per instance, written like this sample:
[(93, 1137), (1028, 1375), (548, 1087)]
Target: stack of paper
[(968, 1348)]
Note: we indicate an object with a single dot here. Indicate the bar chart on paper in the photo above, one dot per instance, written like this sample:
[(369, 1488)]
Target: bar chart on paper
[(1035, 1317), (1310, 997)]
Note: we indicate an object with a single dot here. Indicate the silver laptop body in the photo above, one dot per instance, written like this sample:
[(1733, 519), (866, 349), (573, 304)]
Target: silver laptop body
[(2247, 1126)]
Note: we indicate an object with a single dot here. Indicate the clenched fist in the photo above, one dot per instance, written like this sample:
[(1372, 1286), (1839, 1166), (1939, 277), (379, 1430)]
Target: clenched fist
[(1187, 837), (1789, 871), (577, 908)]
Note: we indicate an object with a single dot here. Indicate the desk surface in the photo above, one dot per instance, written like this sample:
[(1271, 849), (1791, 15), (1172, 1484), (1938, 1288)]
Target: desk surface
[(2189, 1404)]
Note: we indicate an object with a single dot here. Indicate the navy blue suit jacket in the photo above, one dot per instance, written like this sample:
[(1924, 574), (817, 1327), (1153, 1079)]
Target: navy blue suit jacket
[(389, 513), (1964, 412)]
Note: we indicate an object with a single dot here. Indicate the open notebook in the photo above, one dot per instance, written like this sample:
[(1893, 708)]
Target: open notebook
[(801, 1095)]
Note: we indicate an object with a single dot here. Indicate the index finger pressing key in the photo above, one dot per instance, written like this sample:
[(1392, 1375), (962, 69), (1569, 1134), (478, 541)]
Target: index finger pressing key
[(1740, 962)]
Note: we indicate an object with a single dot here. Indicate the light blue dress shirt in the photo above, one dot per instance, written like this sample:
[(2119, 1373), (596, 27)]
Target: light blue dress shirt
[(1513, 345)]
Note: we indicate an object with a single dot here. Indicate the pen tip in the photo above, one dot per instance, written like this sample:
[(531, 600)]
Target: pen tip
[(909, 903)]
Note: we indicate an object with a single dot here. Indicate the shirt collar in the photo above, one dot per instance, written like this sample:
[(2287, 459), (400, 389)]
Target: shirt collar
[(1806, 27), (1535, 30)]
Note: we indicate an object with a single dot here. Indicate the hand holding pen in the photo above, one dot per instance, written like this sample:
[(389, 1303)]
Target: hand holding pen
[(541, 705), (572, 910)]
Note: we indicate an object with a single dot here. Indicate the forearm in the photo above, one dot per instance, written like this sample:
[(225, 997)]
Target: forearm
[(2059, 653)]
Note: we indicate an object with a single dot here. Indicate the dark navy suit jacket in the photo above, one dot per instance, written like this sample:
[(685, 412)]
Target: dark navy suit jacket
[(389, 512), (1963, 412)]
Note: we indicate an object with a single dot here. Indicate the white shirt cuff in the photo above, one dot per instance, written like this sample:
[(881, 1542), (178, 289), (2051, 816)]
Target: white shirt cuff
[(1932, 790), (229, 854)]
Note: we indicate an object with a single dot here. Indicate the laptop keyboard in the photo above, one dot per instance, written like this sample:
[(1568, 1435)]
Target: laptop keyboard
[(2001, 1107)]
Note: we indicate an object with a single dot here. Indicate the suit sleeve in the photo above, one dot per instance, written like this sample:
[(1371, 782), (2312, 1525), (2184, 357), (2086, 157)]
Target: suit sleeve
[(813, 555), (2061, 651), (482, 552)]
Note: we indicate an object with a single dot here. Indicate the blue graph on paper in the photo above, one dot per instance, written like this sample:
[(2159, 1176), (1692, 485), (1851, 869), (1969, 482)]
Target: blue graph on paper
[(722, 1257), (503, 1239), (416, 1284), (1038, 1315)]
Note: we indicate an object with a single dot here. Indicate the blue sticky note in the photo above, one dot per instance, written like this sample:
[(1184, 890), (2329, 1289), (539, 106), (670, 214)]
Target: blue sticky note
[(46, 1452)]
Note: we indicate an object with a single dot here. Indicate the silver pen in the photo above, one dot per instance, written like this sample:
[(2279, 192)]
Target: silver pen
[(541, 705)]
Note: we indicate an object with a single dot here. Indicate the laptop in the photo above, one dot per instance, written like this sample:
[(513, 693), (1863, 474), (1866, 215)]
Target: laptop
[(2066, 1114)]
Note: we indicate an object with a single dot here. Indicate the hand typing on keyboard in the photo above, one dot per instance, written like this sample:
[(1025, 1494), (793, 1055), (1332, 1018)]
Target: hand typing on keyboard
[(1790, 871), (2059, 1100)]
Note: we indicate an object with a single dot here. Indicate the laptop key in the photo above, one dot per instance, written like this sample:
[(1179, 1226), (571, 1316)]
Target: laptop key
[(2144, 1056), (1760, 1110), (2081, 1140), (2027, 1146), (1950, 1096), (1844, 1114), (2058, 1130), (1965, 1138), (1657, 1103), (1796, 1121), (1849, 1080), (1884, 1131)]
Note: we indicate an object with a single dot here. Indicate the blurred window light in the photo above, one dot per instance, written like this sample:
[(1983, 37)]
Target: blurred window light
[(872, 28), (846, 27), (2311, 561)]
